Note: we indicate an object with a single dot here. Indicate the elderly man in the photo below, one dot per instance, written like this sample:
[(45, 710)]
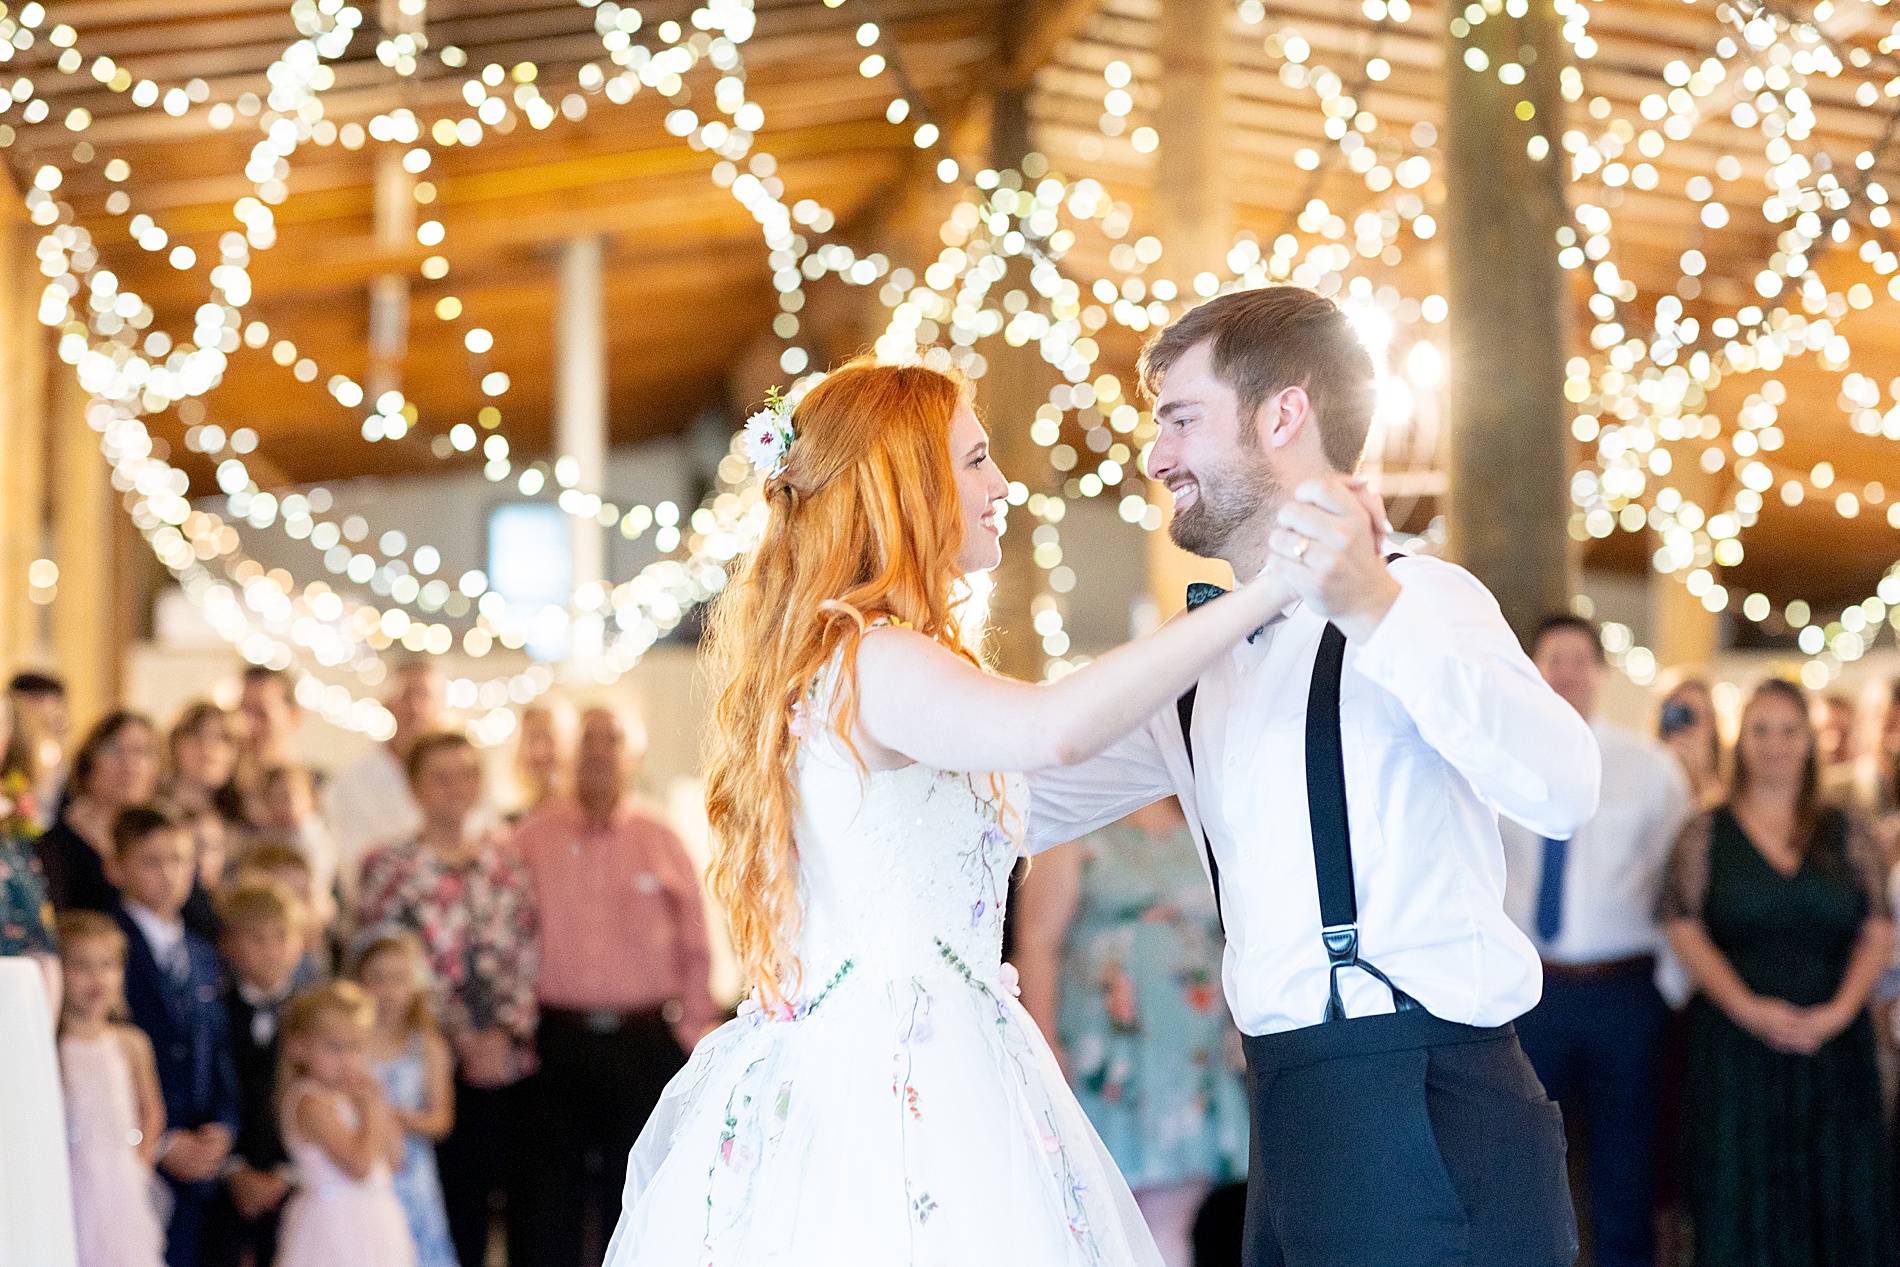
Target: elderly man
[(623, 987)]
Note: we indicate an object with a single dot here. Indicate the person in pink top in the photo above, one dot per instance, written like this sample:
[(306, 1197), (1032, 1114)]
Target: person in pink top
[(622, 988)]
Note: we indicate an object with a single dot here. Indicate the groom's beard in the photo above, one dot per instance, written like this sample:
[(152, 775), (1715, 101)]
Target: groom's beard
[(1228, 501)]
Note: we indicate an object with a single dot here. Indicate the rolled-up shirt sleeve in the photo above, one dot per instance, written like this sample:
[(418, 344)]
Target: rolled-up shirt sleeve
[(1445, 652), (1067, 802)]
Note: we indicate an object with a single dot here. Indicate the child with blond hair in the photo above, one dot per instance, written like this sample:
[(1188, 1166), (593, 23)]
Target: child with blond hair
[(115, 1115), (341, 1136), (410, 1058)]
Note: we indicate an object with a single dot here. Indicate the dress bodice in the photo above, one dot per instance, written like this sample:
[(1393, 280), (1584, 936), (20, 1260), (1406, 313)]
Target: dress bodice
[(317, 1173), (102, 1108), (1788, 936), (902, 871)]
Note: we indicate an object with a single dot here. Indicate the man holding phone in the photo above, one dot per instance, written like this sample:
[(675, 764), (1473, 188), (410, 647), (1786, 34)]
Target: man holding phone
[(1589, 904)]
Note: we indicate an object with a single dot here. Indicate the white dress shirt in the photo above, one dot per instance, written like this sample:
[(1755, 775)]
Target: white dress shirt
[(165, 937), (1445, 725), (368, 804), (1614, 864)]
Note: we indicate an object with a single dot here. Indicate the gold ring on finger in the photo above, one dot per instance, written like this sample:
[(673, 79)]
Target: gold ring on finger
[(1299, 551)]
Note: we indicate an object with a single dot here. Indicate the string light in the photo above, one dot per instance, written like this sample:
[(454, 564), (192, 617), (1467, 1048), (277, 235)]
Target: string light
[(1006, 216)]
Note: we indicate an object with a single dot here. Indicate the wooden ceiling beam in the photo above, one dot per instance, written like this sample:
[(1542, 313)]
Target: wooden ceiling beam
[(1042, 32)]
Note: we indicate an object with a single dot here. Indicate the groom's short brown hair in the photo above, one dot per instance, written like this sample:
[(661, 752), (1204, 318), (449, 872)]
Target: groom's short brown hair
[(1276, 337)]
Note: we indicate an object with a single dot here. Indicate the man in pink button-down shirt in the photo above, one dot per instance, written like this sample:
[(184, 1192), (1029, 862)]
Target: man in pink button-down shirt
[(623, 985)]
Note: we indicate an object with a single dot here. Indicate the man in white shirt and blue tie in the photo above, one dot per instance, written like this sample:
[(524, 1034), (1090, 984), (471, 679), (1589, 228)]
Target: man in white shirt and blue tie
[(1596, 1038), (1345, 769)]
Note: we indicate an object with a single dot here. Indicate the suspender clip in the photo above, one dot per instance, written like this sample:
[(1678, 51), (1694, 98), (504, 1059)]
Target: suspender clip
[(1342, 944)]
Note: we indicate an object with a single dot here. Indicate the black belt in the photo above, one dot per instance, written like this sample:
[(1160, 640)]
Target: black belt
[(1602, 969), (608, 1020)]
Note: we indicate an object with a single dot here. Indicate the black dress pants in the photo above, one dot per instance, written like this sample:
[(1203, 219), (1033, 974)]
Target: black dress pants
[(481, 1163), (599, 1080), (1403, 1141), (231, 1240), (1597, 1046)]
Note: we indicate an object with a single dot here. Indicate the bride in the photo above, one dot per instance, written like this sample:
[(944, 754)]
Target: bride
[(882, 1098)]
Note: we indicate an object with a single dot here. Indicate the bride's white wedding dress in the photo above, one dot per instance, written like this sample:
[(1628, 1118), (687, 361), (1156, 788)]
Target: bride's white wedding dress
[(904, 1110)]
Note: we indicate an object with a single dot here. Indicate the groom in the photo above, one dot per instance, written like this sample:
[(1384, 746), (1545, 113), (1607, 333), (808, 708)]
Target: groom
[(1344, 770)]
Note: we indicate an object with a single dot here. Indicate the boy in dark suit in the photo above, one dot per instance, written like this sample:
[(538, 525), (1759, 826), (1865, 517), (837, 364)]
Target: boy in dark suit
[(173, 989), (262, 940)]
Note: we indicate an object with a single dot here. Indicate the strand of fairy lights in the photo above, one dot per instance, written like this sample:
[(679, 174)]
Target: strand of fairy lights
[(166, 483), (1677, 113), (1123, 301), (1007, 217), (715, 542), (1693, 540)]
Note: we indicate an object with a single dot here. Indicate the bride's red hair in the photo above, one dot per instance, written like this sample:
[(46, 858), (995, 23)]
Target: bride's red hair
[(864, 523)]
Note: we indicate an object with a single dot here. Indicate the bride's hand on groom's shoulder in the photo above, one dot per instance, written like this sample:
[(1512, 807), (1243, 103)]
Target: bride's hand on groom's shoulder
[(1328, 548)]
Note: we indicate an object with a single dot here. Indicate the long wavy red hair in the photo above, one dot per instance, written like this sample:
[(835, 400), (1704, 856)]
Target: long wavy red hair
[(864, 523)]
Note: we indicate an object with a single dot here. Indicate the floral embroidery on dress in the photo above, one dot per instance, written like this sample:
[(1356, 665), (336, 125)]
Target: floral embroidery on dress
[(755, 1009)]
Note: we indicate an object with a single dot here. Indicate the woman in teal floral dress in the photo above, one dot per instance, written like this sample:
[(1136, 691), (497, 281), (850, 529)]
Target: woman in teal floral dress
[(26, 915), (1119, 952)]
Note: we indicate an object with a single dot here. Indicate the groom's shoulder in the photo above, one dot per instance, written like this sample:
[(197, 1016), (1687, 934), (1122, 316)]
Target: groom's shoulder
[(1431, 571), (1442, 586)]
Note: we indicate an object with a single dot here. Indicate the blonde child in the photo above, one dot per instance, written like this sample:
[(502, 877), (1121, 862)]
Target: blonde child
[(114, 1112), (407, 1054), (286, 811), (341, 1137), (279, 863)]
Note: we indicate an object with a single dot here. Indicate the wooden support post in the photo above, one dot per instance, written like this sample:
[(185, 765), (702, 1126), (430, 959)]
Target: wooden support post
[(23, 439), (1508, 460), (1015, 384), (1195, 218), (395, 228), (1682, 632), (87, 629)]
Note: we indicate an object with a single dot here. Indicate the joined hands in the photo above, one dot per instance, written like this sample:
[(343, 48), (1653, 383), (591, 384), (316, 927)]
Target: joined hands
[(1327, 548)]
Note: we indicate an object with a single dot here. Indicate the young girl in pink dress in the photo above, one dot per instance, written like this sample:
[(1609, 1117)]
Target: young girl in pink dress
[(342, 1137), (114, 1112)]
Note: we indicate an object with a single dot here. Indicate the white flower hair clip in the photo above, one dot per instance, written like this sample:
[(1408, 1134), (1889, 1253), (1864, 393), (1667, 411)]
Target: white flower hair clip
[(767, 438)]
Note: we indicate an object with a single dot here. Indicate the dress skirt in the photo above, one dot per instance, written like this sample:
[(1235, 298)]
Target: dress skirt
[(917, 1120)]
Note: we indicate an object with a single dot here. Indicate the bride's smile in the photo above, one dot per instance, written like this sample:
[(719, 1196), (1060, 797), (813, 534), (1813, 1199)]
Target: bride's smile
[(981, 489)]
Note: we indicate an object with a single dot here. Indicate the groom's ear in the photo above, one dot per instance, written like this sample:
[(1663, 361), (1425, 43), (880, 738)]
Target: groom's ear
[(1283, 417)]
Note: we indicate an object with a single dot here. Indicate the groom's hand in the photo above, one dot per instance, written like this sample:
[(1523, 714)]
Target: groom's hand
[(1327, 547)]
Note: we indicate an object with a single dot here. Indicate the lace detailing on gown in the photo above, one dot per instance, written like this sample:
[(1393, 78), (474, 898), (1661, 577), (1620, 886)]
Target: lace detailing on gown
[(903, 1109)]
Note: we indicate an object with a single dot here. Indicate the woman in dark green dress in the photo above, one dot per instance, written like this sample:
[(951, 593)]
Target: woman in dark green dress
[(1778, 908)]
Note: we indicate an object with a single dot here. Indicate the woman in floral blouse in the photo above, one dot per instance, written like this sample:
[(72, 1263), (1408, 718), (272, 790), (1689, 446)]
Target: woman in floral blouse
[(468, 899)]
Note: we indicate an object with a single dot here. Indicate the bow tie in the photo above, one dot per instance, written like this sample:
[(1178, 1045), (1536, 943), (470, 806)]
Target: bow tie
[(1199, 592)]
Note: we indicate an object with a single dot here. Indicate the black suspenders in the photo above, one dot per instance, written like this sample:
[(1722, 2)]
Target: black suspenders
[(1326, 811)]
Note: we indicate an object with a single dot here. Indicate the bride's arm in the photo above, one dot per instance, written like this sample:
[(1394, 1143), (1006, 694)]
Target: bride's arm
[(919, 700)]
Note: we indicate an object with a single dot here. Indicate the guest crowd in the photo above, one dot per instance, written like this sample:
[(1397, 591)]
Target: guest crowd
[(382, 1016), (377, 1018)]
